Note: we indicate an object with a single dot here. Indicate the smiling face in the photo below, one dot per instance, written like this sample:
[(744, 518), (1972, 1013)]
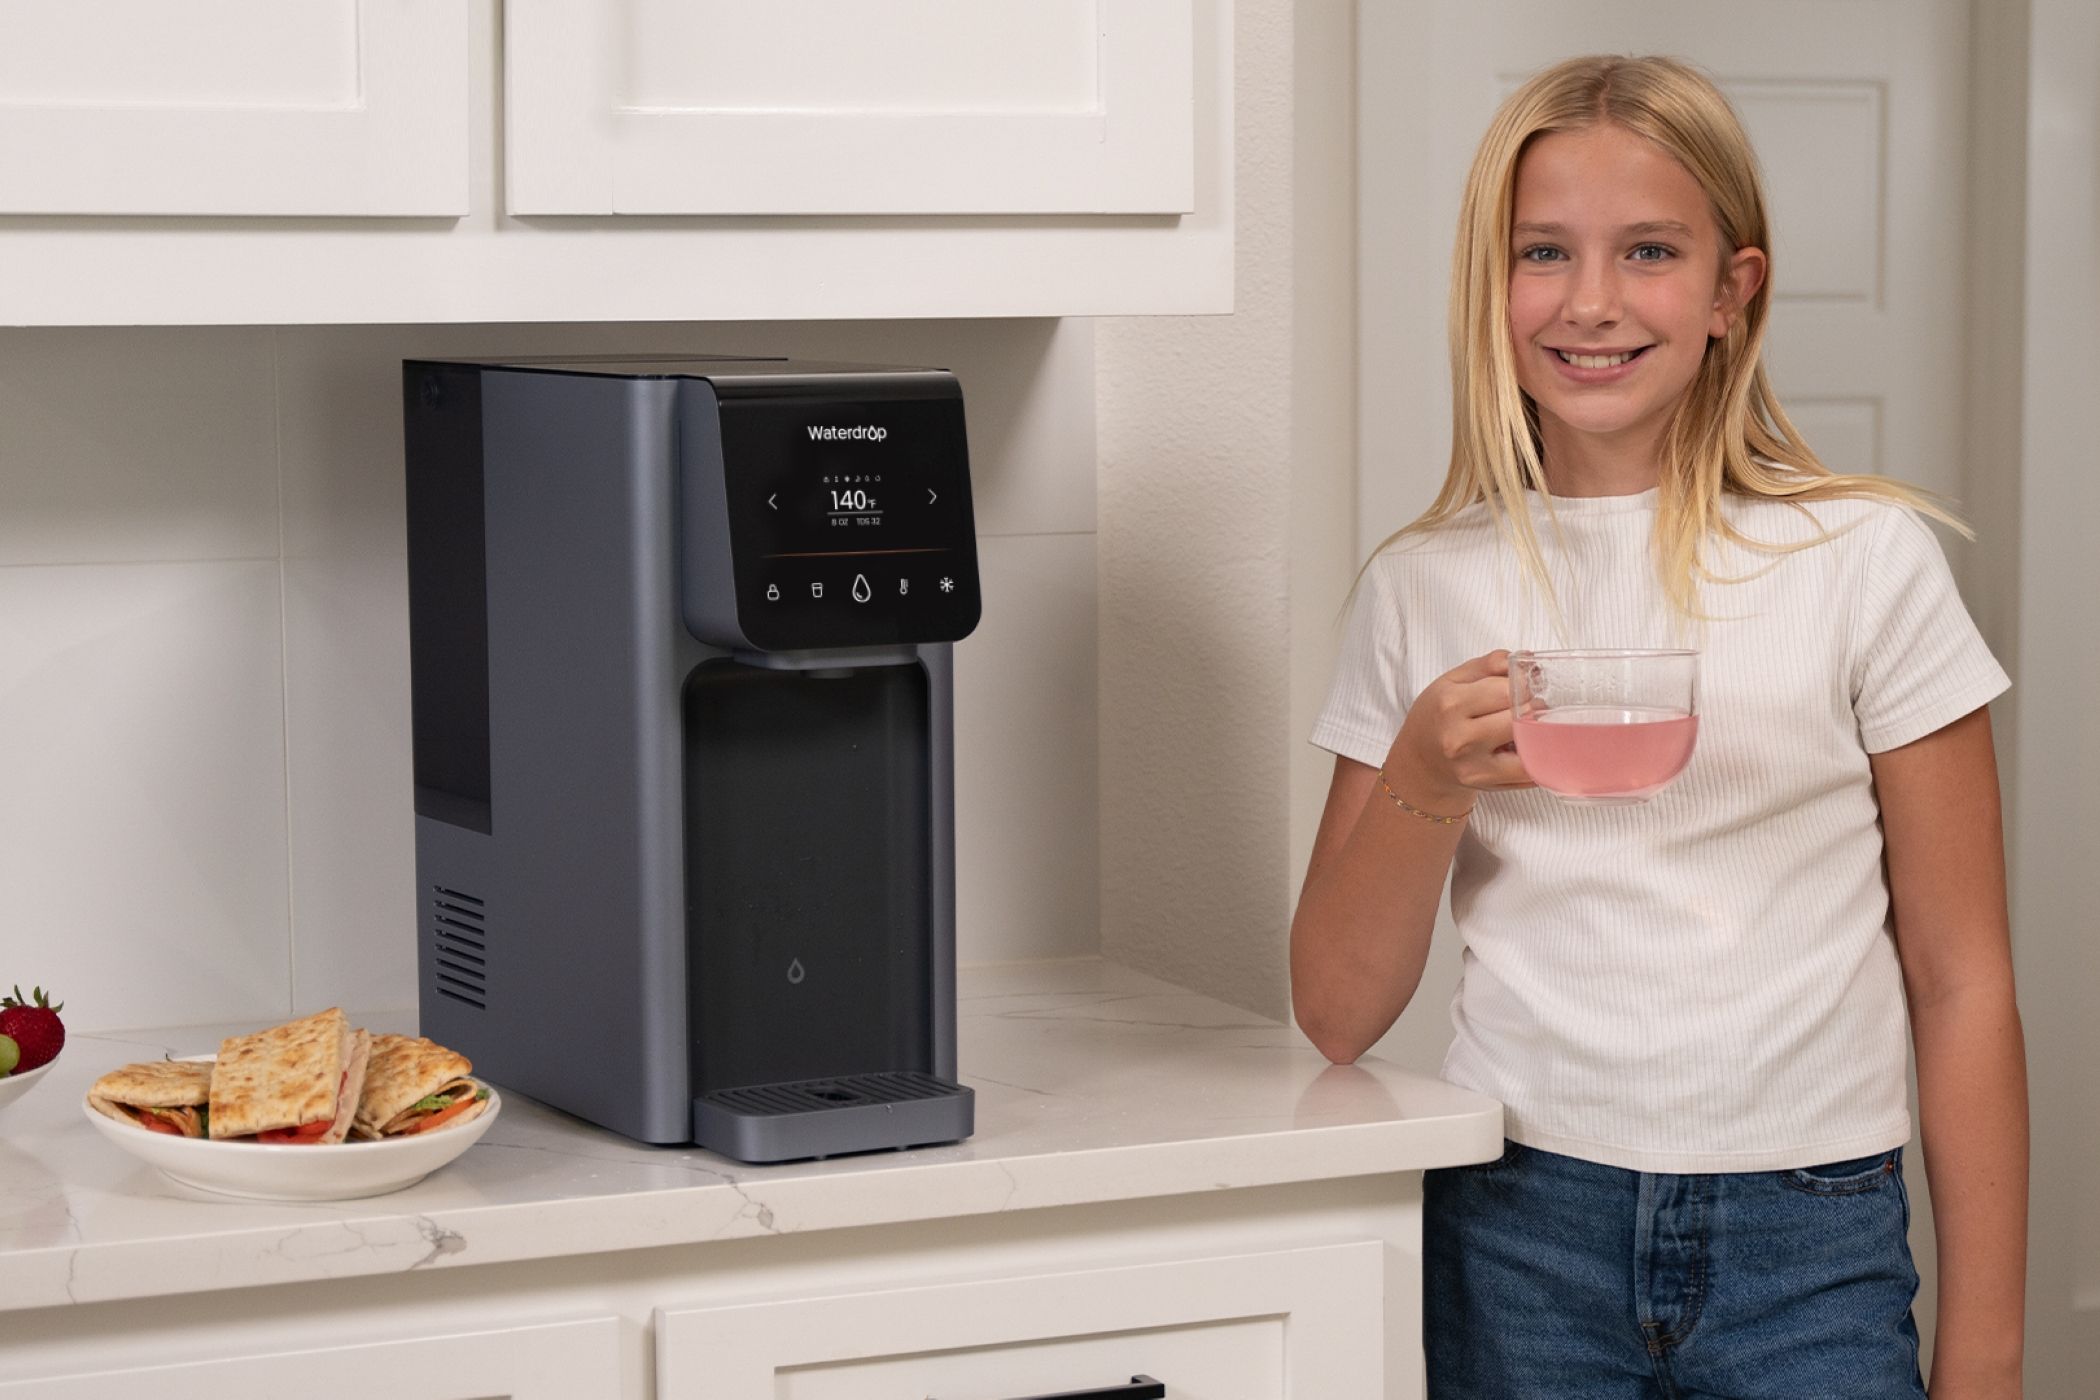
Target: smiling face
[(1618, 277)]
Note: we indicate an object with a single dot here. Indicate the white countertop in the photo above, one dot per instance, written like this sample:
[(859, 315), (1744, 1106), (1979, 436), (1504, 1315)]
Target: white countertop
[(1094, 1083)]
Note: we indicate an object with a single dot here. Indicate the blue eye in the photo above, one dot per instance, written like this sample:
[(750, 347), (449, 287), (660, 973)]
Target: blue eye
[(1659, 252), (1540, 252)]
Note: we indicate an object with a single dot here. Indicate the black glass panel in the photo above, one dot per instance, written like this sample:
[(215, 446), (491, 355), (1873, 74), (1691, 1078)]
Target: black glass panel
[(448, 615), (849, 521), (809, 908)]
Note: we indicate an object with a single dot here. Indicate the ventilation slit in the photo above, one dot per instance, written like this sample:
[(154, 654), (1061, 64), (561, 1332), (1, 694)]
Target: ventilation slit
[(459, 946)]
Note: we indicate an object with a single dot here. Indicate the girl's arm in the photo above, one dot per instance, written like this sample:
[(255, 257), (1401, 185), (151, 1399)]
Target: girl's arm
[(1946, 868), (1361, 933)]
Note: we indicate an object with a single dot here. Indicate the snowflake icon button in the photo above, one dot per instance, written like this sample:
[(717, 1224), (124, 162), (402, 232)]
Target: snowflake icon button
[(947, 585)]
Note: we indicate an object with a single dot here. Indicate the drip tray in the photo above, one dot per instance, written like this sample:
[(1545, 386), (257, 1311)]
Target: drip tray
[(832, 1117)]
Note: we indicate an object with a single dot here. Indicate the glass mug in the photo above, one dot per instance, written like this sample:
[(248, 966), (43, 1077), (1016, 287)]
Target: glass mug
[(1604, 728)]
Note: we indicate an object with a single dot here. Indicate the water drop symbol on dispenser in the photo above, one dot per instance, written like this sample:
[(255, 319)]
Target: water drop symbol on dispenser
[(861, 591), (795, 972)]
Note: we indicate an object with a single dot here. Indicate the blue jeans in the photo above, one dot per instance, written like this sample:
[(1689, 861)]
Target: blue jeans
[(1550, 1277)]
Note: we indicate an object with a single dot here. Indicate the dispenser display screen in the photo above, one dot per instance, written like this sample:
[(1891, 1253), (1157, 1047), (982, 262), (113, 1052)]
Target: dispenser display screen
[(850, 521)]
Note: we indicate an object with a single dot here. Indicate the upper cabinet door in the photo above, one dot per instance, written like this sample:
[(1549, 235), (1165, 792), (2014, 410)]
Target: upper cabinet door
[(850, 107), (325, 107)]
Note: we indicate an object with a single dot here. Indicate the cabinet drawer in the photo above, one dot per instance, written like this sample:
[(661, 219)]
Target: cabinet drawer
[(551, 1361), (1259, 1326)]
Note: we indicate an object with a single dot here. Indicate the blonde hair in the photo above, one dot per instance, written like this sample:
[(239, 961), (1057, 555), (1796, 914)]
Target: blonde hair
[(1728, 433)]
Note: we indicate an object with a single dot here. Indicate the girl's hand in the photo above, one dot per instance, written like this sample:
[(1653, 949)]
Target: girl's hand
[(1458, 739)]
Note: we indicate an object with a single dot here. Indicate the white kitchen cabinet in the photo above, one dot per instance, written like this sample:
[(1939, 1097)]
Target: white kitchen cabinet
[(342, 107), (850, 107), (586, 160), (1159, 1184), (1269, 1323), (551, 1361), (1308, 1289)]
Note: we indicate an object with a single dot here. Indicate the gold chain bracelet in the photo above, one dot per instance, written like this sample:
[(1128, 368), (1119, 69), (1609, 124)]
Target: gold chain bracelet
[(1412, 810)]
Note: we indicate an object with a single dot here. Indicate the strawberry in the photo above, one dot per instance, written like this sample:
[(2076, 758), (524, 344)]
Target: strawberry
[(34, 1026)]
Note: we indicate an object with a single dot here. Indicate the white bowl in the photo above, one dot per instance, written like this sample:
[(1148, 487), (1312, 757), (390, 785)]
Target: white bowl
[(272, 1172), (15, 1085)]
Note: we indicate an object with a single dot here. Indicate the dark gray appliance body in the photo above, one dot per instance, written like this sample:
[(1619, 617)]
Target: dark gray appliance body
[(682, 712)]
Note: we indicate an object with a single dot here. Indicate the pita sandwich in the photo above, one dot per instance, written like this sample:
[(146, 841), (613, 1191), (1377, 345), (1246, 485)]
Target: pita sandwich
[(416, 1086), (164, 1096), (294, 1083)]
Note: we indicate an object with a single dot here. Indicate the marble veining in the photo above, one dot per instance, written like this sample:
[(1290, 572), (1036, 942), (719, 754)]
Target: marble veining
[(1094, 1083)]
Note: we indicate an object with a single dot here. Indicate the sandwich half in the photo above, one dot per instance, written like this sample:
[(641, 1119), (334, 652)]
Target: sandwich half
[(163, 1096), (294, 1083), (416, 1086)]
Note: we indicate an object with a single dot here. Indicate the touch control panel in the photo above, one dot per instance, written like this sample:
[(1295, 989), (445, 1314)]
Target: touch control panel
[(849, 520)]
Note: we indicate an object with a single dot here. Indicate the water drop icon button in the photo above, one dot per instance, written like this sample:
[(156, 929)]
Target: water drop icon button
[(861, 591), (795, 972)]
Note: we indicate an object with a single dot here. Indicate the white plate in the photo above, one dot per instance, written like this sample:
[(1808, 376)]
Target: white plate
[(16, 1085), (281, 1172)]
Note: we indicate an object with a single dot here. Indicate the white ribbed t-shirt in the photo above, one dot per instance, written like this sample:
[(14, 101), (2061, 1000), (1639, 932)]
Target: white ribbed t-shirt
[(1705, 982)]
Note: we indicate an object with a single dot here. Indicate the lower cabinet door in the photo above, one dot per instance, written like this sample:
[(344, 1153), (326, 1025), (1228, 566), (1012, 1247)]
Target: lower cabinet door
[(1301, 1323), (554, 1361)]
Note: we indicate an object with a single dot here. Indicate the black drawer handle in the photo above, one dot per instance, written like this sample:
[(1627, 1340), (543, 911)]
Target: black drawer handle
[(1140, 1388)]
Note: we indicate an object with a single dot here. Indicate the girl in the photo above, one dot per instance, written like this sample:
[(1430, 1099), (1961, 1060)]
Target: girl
[(1694, 1009)]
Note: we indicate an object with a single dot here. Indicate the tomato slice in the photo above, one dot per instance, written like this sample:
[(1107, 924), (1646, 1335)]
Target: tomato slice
[(153, 1123), (439, 1118), (306, 1132)]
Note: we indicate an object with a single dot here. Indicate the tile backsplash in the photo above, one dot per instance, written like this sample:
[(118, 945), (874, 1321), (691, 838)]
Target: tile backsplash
[(204, 749)]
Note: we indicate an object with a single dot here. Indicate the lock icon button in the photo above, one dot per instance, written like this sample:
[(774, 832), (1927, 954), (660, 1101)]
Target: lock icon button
[(772, 592)]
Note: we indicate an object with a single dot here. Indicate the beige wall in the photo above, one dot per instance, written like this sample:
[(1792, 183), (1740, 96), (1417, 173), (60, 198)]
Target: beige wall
[(204, 650), (2054, 761), (1226, 471)]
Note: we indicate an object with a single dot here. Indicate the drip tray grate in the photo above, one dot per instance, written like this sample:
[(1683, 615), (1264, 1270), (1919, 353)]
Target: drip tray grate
[(817, 1095), (830, 1117)]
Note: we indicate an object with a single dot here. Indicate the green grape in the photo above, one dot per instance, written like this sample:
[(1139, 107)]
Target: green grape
[(10, 1055)]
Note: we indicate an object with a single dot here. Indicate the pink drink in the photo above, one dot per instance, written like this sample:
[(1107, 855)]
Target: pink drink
[(1605, 753)]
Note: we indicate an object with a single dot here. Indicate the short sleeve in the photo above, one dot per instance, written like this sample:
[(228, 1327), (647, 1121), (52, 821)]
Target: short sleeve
[(1364, 709), (1918, 661)]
